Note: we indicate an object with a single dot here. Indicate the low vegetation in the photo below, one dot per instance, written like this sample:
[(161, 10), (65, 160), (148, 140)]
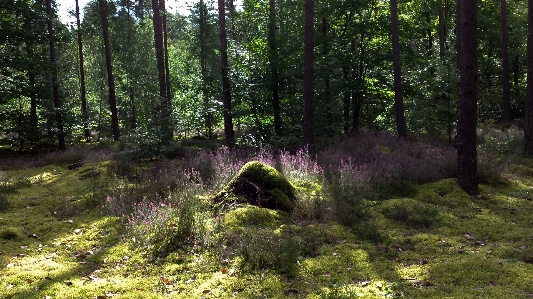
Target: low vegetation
[(371, 217)]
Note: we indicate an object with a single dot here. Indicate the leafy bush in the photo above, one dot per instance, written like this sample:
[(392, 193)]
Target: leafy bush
[(263, 248), (163, 225), (4, 203), (410, 212)]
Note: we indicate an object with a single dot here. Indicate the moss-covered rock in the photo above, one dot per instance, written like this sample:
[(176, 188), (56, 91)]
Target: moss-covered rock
[(260, 185)]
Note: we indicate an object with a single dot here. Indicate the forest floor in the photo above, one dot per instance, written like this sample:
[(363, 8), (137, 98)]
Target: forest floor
[(59, 238)]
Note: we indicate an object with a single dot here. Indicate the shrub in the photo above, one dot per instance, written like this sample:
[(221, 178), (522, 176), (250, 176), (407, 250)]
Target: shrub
[(263, 248), (410, 212), (4, 203), (163, 225)]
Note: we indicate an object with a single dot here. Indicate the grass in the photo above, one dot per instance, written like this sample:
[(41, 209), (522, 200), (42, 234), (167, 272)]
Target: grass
[(363, 225)]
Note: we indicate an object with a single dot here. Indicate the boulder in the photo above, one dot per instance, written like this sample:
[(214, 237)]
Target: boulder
[(260, 185)]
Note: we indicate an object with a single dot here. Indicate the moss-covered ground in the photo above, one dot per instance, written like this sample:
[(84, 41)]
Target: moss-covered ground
[(438, 242)]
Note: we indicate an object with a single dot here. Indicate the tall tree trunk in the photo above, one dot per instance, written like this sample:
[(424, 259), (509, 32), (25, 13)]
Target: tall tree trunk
[(165, 45), (34, 121), (442, 31), (346, 99), (398, 96), (528, 132), (466, 131), (327, 87), (355, 91), (226, 92), (208, 115), (109, 67), (506, 104), (84, 113), (166, 134), (309, 76), (55, 84), (274, 61), (131, 89), (458, 31)]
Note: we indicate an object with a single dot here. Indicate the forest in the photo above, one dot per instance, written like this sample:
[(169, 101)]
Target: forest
[(270, 149)]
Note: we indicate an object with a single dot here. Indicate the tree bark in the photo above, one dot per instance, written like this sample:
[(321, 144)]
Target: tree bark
[(226, 92), (528, 132), (506, 101), (109, 67), (309, 88), (167, 65), (442, 31), (55, 84), (34, 121), (398, 92), (208, 115), (327, 85), (166, 135), (466, 131), (274, 60), (458, 29), (84, 113), (346, 99)]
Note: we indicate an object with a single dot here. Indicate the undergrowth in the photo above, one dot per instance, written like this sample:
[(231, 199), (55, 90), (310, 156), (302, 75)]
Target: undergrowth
[(374, 217)]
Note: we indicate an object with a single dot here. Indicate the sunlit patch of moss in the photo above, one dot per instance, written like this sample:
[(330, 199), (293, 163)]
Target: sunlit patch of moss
[(341, 263), (252, 216)]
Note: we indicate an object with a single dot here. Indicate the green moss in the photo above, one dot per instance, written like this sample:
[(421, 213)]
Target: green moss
[(521, 170), (445, 192), (410, 211), (11, 233), (251, 216), (259, 184)]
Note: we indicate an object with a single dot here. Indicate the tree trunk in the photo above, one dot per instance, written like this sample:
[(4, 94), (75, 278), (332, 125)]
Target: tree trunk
[(55, 84), (208, 115), (309, 88), (346, 100), (109, 67), (442, 31), (166, 135), (327, 87), (226, 92), (528, 132), (274, 60), (131, 89), (506, 104), (168, 130), (466, 131), (84, 113), (398, 96), (34, 121), (458, 29)]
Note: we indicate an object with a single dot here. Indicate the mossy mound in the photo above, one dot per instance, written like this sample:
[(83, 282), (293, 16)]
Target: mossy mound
[(252, 216), (260, 185), (445, 192)]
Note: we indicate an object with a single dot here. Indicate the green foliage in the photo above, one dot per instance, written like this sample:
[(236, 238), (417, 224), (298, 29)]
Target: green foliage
[(263, 248), (410, 212)]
